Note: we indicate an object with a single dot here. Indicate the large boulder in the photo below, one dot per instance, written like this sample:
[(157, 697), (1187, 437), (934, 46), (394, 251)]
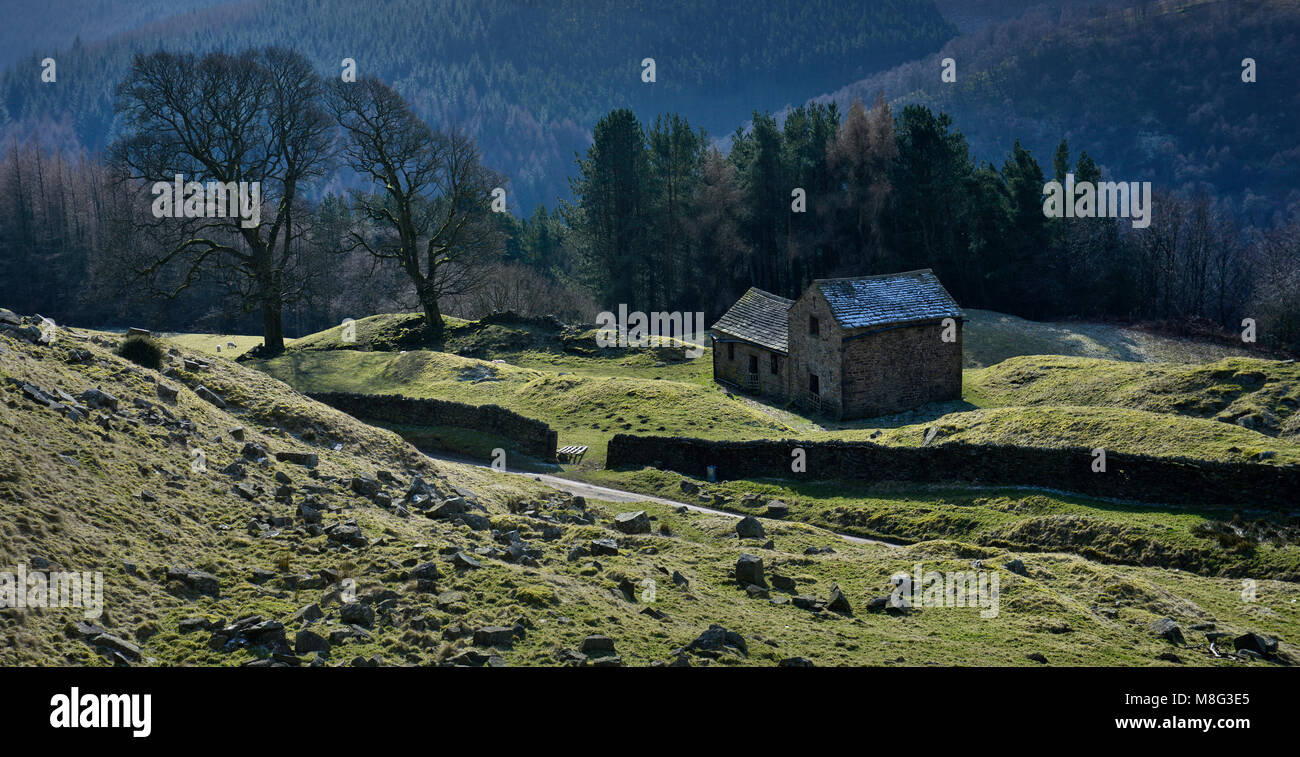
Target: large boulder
[(633, 522), (597, 646), (196, 580), (749, 570), (718, 639), (749, 527)]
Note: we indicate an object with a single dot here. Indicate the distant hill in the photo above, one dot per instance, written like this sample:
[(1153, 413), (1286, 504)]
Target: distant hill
[(528, 77), (1152, 90), (47, 27)]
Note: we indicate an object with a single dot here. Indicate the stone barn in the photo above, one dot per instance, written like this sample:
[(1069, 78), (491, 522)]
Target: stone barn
[(851, 348), (750, 345)]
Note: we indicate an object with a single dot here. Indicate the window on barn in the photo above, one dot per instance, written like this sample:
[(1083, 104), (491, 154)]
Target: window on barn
[(813, 326), (731, 350), (814, 386), (753, 363), (775, 362)]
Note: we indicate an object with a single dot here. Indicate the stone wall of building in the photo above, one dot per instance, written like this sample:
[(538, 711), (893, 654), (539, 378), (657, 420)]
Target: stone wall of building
[(532, 437), (888, 371), (815, 354), (736, 369), (1132, 477)]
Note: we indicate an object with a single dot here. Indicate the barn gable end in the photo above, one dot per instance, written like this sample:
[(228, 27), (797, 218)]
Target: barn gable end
[(851, 347)]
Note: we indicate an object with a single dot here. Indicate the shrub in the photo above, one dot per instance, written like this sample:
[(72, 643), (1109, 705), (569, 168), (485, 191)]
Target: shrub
[(142, 350)]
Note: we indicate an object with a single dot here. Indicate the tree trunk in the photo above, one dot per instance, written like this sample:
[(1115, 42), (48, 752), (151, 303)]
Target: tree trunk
[(272, 317), (432, 317), (272, 328)]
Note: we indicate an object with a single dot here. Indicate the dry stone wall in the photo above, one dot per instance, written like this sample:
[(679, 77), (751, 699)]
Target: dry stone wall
[(1134, 477)]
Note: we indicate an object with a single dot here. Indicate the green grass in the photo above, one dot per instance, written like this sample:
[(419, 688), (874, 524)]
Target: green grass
[(208, 343), (69, 492), (1134, 432), (1257, 394), (989, 338), (1040, 401), (1021, 519), (584, 408)]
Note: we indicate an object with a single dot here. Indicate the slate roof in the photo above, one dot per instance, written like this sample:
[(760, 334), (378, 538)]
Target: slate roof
[(888, 299), (758, 317)]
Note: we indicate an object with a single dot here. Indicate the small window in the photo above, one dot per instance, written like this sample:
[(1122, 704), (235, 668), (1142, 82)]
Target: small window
[(813, 326), (775, 364), (814, 386), (731, 350), (753, 363)]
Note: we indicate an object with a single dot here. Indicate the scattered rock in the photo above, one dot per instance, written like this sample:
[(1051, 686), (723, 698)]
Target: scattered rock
[(597, 645), (1168, 630), (493, 636), (424, 572), (838, 602), (717, 639), (196, 580), (633, 522), (357, 614), (119, 645), (307, 614), (777, 509), (96, 398), (365, 485), (208, 395), (348, 534), (448, 508), (309, 641), (1252, 642), (749, 570), (298, 458), (750, 527)]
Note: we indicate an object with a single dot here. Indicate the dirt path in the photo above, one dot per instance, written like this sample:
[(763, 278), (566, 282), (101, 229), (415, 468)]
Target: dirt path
[(609, 494)]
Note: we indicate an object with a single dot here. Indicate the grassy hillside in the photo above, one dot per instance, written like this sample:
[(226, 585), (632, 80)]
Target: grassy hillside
[(585, 408), (113, 490), (989, 337), (1261, 395), (1231, 409), (1118, 533)]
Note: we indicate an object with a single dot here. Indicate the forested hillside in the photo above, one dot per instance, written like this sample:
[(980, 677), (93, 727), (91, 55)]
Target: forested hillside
[(529, 78), (51, 25), (1154, 90)]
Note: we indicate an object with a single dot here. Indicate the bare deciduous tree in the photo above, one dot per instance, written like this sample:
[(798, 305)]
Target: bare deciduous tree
[(432, 214), (251, 117)]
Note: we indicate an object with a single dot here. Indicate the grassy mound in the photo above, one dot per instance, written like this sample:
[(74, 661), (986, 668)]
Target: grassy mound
[(989, 338), (1260, 395)]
